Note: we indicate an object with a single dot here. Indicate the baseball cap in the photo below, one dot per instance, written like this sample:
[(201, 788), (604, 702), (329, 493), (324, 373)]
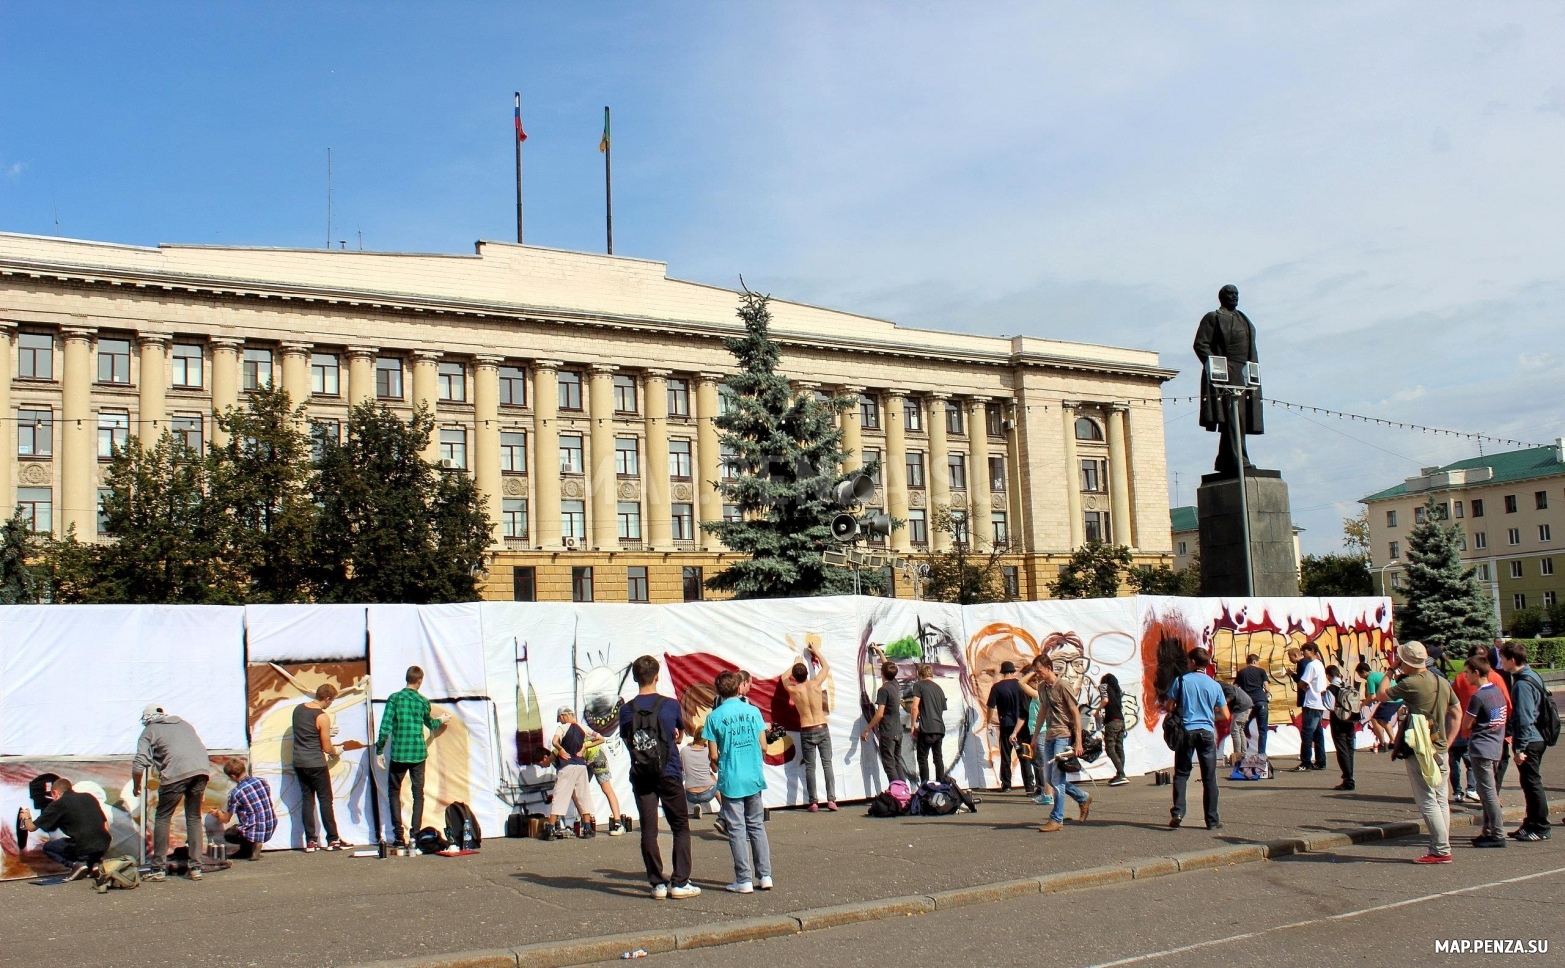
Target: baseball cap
[(1413, 654), (565, 711), (151, 711)]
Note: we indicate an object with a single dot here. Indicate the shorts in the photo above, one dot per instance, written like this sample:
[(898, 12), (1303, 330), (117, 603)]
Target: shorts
[(705, 796), (598, 765), (1387, 711), (570, 780)]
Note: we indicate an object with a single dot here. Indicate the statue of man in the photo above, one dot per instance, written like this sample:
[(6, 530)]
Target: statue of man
[(1228, 333)]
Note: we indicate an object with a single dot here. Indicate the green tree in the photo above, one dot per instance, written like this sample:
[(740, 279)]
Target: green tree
[(787, 448), (20, 582), (390, 527), (1164, 580), (1527, 622), (964, 574), (1445, 608), (1322, 575), (68, 569), (1355, 535), (1093, 571)]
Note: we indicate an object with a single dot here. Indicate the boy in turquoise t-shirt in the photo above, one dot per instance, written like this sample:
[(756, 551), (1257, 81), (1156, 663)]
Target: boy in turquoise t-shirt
[(735, 734)]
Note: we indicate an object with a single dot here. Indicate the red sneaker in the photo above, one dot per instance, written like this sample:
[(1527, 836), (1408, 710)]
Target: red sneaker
[(815, 808), (1433, 859)]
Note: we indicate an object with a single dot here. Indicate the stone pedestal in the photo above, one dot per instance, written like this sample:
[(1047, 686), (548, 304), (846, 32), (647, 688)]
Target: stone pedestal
[(1222, 535)]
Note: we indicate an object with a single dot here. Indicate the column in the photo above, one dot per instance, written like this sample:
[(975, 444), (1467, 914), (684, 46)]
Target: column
[(1072, 476), (853, 431), (978, 492), (79, 463), (709, 502), (426, 382), (938, 475), (361, 374), (225, 380), (602, 483), (7, 422), (659, 526), (296, 372), (545, 467), (486, 437), (1119, 478), (894, 469), (1013, 484), (152, 410)]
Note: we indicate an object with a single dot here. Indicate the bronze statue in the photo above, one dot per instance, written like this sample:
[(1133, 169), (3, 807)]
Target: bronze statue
[(1228, 333)]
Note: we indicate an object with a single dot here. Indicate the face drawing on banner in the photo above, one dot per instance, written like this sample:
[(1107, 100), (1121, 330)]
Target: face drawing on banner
[(936, 646), (692, 676), (1081, 671), (601, 696)]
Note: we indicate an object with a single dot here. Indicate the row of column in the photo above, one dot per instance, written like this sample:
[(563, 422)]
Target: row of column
[(1115, 418)]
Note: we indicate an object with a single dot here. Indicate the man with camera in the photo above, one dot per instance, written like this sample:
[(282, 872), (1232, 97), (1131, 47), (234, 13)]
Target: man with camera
[(1433, 715)]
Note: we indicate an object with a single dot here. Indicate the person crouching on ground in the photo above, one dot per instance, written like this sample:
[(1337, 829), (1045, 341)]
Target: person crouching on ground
[(250, 803), (736, 737), (570, 775), (700, 774), (80, 818)]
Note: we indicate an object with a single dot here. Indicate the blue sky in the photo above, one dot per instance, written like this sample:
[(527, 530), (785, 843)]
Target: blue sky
[(1381, 180)]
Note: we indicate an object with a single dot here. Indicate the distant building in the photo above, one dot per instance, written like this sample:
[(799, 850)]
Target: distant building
[(1185, 527)]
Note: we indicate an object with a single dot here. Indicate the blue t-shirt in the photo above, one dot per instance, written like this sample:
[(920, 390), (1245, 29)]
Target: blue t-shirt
[(669, 723), (571, 741), (1489, 711), (1199, 697), (736, 727)]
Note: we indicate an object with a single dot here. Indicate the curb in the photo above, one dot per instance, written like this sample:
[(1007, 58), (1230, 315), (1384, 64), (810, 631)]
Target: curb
[(586, 951)]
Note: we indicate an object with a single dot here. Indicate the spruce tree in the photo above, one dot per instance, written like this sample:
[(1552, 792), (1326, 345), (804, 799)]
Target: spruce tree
[(1445, 608), (19, 583)]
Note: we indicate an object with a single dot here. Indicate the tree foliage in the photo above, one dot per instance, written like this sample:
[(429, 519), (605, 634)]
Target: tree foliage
[(1164, 580), (1322, 575), (1093, 571), (1355, 535), (20, 582), (1445, 608), (964, 574)]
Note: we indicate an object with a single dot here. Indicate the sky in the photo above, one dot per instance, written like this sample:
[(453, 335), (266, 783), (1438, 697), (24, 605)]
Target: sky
[(1382, 181)]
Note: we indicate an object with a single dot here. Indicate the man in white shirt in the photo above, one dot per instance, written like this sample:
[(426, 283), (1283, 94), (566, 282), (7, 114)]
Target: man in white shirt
[(1312, 734)]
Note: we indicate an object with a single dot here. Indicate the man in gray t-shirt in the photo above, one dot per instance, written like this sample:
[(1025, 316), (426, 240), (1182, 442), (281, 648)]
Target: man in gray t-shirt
[(929, 723), (886, 723)]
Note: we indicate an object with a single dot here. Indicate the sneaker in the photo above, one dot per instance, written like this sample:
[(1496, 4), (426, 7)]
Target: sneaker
[(765, 883), (1119, 781), (1218, 825), (312, 847), (588, 832), (831, 805), (720, 827), (78, 872), (194, 873), (399, 843), (1526, 836), (1050, 827), (1083, 808), (1343, 786), (814, 808), (740, 887), (684, 890), (1490, 842), (157, 875), (1433, 859), (1302, 768), (1043, 800), (614, 828), (339, 844), (659, 892)]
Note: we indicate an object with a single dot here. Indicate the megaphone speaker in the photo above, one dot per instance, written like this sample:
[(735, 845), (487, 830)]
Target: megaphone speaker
[(844, 527)]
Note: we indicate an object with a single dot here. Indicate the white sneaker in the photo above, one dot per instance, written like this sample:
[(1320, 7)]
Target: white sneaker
[(683, 891), (659, 891), (741, 887), (766, 884)]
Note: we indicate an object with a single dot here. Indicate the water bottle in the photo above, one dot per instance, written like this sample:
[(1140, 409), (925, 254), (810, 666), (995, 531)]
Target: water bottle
[(469, 840)]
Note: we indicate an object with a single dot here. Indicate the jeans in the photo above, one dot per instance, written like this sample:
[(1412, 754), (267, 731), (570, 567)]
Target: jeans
[(705, 796), (1114, 745), (1530, 774), (1483, 772), (891, 758), (1433, 802), (190, 790), (1342, 737), (1057, 779), (815, 742), (239, 847), (315, 786), (1312, 738), (1261, 716), (742, 818), (62, 850), (1459, 759), (1236, 731), (394, 777), (1008, 749), (669, 793), (930, 743), (1199, 744)]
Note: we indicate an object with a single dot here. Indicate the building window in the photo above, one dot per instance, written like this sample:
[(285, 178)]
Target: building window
[(573, 519), (524, 583), (513, 386), (388, 378), (453, 382), (693, 585), (186, 428), (113, 432), (1541, 500), (1514, 535), (725, 399), (1396, 550), (1483, 571), (1510, 504), (35, 433), (104, 493), (959, 527), (1396, 579), (256, 369), (626, 457), (913, 415), (636, 584), (731, 513), (953, 418), (1516, 569), (728, 462), (1442, 511), (1184, 549), (956, 464), (871, 461), (1518, 601), (1096, 525), (1477, 507), (570, 390), (186, 363), (997, 473), (1549, 599), (1391, 519), (1088, 429), (36, 506), (513, 452), (869, 412), (679, 460), (679, 398), (581, 584), (1001, 525), (1094, 475), (684, 516), (915, 468), (453, 448), (994, 420), (1458, 506), (629, 515), (35, 359), (1418, 515), (1461, 542), (918, 526), (570, 454), (325, 375), (1544, 534), (113, 361), (1013, 581), (872, 538), (1545, 566), (321, 432), (513, 517), (625, 394), (1480, 540)]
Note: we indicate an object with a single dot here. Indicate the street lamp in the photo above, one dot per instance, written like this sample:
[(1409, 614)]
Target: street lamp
[(1383, 589)]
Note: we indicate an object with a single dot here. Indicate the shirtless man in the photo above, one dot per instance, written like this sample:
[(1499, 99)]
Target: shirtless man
[(808, 694)]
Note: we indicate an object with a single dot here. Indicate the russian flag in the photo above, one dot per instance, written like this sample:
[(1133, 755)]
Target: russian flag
[(520, 134)]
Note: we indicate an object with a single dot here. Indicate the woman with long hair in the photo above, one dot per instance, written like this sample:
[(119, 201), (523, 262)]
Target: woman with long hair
[(1111, 704)]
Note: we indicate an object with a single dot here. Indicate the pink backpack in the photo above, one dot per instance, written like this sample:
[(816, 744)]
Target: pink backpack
[(902, 792)]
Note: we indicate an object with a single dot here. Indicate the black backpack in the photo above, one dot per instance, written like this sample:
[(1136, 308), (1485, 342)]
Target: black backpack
[(648, 746), (1548, 721), (429, 841), (462, 827), (884, 805)]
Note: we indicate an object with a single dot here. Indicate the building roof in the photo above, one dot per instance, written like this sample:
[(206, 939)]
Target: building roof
[(1515, 465), (1183, 519)]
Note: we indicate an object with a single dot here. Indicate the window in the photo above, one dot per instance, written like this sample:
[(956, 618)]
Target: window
[(1480, 540), (35, 361), (1540, 500), (918, 526), (728, 462), (322, 431), (581, 584), (956, 465), (1396, 579), (1396, 550), (679, 398), (388, 378), (325, 375), (1458, 506), (524, 583), (913, 415), (625, 394), (35, 433), (871, 461), (104, 494), (513, 386), (1418, 515), (570, 454), (1088, 429), (453, 382), (1549, 599), (959, 532), (453, 447), (869, 412), (725, 399), (1442, 511), (1096, 526), (684, 522), (570, 390), (1545, 566), (1483, 572), (1461, 542), (953, 418), (513, 517), (257, 369), (679, 459), (1094, 475), (36, 506), (1510, 504), (915, 468), (997, 473), (113, 432), (1184, 549), (1514, 536), (636, 584), (1391, 519), (513, 452), (113, 361), (1013, 581), (691, 580), (186, 428), (187, 365), (626, 457), (1002, 530), (1518, 601), (732, 513), (994, 420), (1478, 507), (1516, 569), (573, 519), (1544, 533), (629, 515)]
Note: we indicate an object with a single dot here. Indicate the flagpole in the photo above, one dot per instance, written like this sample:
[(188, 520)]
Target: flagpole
[(519, 137), (608, 177)]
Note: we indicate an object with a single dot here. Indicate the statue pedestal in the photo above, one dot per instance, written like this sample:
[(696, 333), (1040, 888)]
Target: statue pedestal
[(1222, 535)]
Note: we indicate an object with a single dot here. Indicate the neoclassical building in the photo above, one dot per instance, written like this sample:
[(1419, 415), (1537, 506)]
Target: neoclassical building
[(578, 389)]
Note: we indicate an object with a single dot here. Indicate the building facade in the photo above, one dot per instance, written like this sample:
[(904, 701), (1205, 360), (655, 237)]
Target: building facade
[(1508, 506), (578, 389)]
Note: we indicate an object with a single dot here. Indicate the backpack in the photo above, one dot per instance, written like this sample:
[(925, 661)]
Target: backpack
[(648, 746), (1349, 702), (1174, 722), (884, 805), (1254, 766), (429, 841), (902, 791), (1548, 721), (462, 827), (937, 799), (117, 873)]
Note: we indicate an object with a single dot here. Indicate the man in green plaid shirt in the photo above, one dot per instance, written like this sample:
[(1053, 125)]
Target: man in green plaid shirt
[(403, 723)]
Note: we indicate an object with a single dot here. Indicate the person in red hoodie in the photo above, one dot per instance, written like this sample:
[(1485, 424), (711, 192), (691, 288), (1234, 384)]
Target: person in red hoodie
[(1464, 689)]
